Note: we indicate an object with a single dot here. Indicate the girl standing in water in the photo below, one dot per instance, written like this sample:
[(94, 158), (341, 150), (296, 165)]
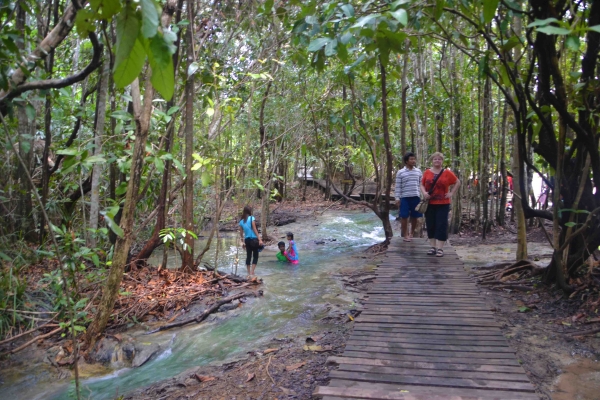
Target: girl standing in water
[(250, 239)]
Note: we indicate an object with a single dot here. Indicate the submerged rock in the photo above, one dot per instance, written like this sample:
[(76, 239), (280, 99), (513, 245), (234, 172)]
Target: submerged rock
[(144, 352)]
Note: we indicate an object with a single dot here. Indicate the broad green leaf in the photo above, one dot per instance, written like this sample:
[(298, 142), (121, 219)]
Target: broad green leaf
[(83, 22), (348, 10), (572, 42), (331, 48), (163, 76), (98, 159), (30, 112), (439, 9), (160, 165), (130, 68), (112, 224), (595, 28), (542, 22), (570, 224), (553, 30), (68, 152), (192, 68), (346, 37), (149, 18), (106, 8), (489, 10), (401, 15), (318, 44), (367, 19), (128, 28)]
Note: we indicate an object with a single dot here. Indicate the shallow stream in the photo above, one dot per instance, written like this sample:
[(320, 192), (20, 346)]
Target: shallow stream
[(295, 298)]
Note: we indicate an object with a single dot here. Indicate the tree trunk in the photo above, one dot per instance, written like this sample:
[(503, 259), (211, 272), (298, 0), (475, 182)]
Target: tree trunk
[(501, 218), (404, 92), (99, 133), (385, 212), (113, 281), (187, 262), (485, 153)]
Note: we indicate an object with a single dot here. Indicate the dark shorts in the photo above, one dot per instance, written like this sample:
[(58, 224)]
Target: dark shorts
[(407, 207)]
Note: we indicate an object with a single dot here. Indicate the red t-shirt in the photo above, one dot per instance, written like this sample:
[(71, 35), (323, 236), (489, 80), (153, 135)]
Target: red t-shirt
[(441, 186)]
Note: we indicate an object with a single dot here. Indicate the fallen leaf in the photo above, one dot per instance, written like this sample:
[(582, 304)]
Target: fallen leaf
[(524, 309), (312, 348), (205, 378), (592, 320), (267, 351), (566, 323), (295, 366), (250, 377)]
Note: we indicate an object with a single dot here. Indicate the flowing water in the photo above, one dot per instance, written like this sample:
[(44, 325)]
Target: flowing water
[(295, 298)]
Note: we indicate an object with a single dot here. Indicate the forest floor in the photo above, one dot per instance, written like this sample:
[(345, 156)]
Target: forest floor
[(540, 324)]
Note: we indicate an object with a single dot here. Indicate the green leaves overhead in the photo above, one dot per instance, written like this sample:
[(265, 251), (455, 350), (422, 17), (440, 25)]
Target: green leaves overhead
[(134, 27), (149, 18), (489, 10), (401, 15)]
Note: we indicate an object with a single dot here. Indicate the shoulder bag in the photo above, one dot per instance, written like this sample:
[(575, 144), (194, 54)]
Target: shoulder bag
[(422, 206)]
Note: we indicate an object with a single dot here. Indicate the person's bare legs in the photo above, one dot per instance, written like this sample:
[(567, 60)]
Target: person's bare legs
[(404, 225), (440, 244), (413, 226), (249, 271), (253, 268)]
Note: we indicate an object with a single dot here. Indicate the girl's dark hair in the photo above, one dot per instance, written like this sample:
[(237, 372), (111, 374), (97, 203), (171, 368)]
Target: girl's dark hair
[(407, 156), (246, 213), (290, 234), (281, 244)]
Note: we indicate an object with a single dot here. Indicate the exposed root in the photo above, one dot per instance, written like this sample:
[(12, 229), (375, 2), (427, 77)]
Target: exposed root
[(513, 276)]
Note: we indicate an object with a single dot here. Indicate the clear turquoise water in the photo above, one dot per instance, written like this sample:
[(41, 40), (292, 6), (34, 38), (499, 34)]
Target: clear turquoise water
[(295, 298)]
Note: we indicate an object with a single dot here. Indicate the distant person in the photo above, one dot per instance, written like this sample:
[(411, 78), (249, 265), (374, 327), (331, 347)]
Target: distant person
[(438, 181), (250, 239), (283, 255), (407, 195), (292, 251)]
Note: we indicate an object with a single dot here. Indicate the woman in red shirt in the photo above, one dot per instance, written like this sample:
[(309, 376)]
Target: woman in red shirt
[(436, 216)]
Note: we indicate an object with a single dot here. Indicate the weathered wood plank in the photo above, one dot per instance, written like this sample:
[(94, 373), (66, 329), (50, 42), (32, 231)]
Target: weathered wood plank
[(438, 359), (378, 342), (439, 373), (381, 391), (434, 381), (393, 348), (426, 365)]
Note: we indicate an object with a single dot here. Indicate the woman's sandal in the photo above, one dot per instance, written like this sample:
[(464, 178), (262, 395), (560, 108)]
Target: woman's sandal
[(431, 252), (440, 253)]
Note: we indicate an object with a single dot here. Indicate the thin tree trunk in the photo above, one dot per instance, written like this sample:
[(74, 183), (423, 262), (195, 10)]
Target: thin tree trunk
[(187, 261), (385, 212), (99, 133)]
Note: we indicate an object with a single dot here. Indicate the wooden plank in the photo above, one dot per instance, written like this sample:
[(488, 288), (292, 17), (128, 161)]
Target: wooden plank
[(439, 333), (421, 339), (378, 342), (371, 306), (433, 381), (437, 359), (440, 373), (370, 391), (429, 323), (392, 348), (416, 365), (340, 393), (425, 314)]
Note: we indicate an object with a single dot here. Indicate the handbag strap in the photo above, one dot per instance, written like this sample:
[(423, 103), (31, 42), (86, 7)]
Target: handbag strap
[(435, 181)]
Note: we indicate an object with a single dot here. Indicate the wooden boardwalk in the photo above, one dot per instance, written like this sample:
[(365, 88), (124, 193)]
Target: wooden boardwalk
[(426, 334)]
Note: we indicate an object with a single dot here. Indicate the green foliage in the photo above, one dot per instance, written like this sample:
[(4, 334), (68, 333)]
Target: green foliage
[(177, 236)]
